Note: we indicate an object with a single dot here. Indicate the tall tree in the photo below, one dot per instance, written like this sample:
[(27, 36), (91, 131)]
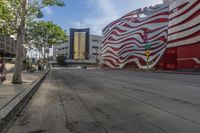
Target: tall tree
[(41, 34), (25, 10)]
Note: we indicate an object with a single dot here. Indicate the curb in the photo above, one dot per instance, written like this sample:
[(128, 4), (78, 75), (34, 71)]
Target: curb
[(185, 73), (10, 111), (156, 71)]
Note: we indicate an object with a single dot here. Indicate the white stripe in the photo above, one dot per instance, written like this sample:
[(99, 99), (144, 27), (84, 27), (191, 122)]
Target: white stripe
[(184, 42), (133, 30), (184, 33), (179, 3), (183, 17), (185, 25), (194, 59)]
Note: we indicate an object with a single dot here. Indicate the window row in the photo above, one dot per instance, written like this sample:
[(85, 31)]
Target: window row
[(62, 54), (95, 40), (61, 48)]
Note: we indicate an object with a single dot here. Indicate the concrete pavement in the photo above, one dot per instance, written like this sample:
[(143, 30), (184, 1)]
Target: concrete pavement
[(8, 90), (14, 96), (90, 101), (10, 67)]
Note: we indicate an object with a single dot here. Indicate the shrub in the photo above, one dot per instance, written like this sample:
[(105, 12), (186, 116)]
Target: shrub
[(61, 60), (24, 61)]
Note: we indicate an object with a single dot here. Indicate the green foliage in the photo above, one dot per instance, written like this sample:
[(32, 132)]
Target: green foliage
[(42, 34), (6, 17), (24, 61), (53, 3), (12, 12), (61, 60)]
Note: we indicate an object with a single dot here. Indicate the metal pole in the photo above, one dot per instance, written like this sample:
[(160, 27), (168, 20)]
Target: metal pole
[(96, 55), (48, 57), (99, 53), (4, 47), (147, 32), (96, 59)]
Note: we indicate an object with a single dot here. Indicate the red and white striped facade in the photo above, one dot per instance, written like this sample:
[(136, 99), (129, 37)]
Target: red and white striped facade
[(173, 31)]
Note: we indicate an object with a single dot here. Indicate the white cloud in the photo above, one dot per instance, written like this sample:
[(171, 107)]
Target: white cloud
[(95, 24), (107, 7), (109, 11), (76, 24), (48, 10)]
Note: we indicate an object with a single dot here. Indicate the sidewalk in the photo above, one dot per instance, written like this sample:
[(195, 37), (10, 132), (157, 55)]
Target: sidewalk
[(8, 91), (10, 67), (13, 97)]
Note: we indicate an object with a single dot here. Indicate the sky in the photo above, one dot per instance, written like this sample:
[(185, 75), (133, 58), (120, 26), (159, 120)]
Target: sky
[(93, 14)]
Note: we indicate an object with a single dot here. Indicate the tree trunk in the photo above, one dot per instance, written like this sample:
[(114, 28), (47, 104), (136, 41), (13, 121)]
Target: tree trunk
[(17, 76)]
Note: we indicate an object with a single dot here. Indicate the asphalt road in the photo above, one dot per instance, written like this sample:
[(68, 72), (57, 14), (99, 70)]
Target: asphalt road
[(89, 101)]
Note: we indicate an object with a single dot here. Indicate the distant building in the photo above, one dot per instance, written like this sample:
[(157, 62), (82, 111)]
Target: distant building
[(81, 47), (7, 46), (95, 47), (61, 49)]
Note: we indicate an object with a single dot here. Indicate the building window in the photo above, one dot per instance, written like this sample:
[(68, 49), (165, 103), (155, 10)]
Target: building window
[(95, 53), (95, 47), (95, 40)]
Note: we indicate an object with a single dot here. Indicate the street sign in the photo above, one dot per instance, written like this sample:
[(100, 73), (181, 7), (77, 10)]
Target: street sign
[(147, 53), (147, 47), (147, 57)]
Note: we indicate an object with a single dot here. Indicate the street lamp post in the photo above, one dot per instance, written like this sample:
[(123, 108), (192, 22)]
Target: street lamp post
[(147, 47)]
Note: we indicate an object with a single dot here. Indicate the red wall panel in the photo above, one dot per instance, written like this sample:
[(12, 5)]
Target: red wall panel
[(168, 60), (189, 51), (188, 57)]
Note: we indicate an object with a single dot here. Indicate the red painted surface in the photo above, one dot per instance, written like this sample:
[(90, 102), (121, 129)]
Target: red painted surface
[(181, 55), (188, 53), (180, 58), (184, 25), (168, 60)]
